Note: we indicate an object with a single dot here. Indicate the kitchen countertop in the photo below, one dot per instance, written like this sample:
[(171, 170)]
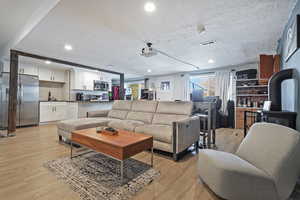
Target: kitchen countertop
[(79, 101)]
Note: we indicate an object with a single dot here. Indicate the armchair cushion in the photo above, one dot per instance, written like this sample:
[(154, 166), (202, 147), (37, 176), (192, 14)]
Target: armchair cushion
[(232, 178), (276, 150), (161, 133)]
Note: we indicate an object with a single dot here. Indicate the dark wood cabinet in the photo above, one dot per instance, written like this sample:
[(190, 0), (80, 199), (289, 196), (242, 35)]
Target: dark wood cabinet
[(266, 66)]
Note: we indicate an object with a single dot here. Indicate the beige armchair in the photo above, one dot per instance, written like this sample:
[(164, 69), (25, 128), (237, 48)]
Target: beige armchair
[(265, 167)]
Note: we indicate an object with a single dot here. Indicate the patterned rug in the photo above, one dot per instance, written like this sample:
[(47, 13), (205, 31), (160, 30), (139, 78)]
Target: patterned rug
[(97, 177)]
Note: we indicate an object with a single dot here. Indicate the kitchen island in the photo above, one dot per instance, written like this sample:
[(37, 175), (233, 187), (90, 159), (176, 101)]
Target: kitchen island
[(87, 106)]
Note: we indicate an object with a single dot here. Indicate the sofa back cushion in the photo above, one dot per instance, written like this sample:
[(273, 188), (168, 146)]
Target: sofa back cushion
[(122, 105), (140, 116), (118, 114), (142, 111), (177, 108), (144, 106), (274, 149), (167, 119), (168, 112)]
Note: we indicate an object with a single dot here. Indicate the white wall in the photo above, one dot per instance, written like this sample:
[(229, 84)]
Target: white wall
[(179, 87), (1, 66), (180, 83)]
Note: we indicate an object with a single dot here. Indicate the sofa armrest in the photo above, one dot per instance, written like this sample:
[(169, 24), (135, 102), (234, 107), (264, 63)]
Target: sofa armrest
[(98, 113), (185, 133)]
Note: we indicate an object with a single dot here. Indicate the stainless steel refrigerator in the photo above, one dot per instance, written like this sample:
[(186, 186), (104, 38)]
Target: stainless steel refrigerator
[(28, 100)]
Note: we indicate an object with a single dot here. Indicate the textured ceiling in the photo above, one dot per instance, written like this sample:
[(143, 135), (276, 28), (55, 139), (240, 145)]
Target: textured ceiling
[(111, 33), (13, 16)]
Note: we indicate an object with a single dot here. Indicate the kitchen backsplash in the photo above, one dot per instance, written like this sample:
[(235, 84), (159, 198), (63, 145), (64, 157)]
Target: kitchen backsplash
[(58, 91), (73, 93)]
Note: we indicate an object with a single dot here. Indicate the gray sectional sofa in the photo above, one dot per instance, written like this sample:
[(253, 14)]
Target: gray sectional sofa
[(170, 123)]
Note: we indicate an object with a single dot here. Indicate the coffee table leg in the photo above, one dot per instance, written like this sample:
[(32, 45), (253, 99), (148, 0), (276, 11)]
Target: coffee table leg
[(152, 157), (71, 150), (122, 172)]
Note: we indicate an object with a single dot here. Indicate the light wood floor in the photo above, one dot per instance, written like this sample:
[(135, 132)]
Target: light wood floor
[(22, 176)]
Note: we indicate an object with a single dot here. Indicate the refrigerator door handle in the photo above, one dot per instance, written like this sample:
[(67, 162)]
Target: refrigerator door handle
[(21, 93)]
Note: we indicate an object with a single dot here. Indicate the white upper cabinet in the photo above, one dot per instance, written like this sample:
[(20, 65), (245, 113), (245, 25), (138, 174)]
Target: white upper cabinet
[(83, 79), (54, 75), (45, 74), (58, 76), (28, 69), (24, 68), (77, 80), (6, 66)]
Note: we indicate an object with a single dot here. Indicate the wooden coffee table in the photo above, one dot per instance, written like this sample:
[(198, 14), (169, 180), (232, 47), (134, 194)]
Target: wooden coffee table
[(120, 147)]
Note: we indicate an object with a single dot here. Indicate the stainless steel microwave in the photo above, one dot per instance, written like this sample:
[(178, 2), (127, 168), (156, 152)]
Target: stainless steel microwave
[(101, 85)]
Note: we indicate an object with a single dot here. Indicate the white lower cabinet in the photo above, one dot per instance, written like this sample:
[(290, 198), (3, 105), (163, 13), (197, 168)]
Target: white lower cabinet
[(56, 111), (72, 111)]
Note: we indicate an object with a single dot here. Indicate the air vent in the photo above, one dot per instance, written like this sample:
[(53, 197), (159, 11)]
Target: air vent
[(206, 43)]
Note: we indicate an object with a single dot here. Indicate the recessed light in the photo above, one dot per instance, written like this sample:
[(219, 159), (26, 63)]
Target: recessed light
[(68, 47), (149, 70), (48, 62), (211, 61), (149, 7)]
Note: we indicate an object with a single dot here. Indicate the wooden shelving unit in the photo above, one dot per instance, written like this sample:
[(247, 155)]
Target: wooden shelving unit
[(251, 93), (250, 96)]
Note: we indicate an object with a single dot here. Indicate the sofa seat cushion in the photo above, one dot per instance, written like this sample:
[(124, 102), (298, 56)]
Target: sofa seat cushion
[(83, 123), (161, 133), (230, 177), (128, 125)]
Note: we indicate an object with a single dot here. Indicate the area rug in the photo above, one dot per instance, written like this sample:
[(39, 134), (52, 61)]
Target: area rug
[(97, 177)]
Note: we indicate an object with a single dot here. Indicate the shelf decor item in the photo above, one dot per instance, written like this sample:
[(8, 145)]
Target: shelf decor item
[(107, 130), (292, 43)]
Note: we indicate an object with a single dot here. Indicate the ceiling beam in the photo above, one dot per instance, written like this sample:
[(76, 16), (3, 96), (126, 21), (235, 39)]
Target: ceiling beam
[(64, 62), (34, 20)]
